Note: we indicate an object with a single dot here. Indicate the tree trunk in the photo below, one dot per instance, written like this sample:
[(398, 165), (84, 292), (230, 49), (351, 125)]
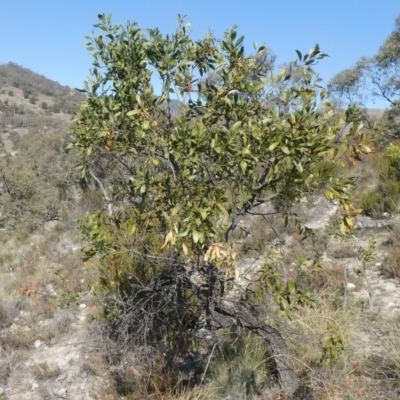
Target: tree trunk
[(279, 349)]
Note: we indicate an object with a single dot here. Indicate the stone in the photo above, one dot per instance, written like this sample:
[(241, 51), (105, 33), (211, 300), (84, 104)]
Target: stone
[(350, 286), (61, 392)]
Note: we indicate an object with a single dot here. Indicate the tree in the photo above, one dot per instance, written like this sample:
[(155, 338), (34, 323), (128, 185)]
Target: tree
[(374, 77), (177, 186)]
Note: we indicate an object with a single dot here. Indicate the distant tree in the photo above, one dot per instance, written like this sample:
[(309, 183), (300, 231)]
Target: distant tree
[(376, 77), (36, 182), (10, 93), (44, 105), (33, 99), (185, 182)]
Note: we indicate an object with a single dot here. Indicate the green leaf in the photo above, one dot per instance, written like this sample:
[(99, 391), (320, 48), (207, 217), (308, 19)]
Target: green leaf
[(273, 145), (197, 236), (203, 214), (283, 303), (285, 150), (237, 124), (299, 167), (261, 49), (292, 287), (243, 166), (257, 88), (133, 112), (222, 208), (228, 101)]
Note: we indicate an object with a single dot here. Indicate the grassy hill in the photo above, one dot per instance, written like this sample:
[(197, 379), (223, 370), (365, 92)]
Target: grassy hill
[(38, 181), (52, 327)]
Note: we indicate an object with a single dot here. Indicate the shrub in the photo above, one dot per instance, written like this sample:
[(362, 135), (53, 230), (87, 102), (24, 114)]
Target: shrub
[(186, 180), (391, 196), (371, 202), (240, 368)]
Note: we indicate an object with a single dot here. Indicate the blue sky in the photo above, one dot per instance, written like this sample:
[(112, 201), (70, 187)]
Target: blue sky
[(46, 36)]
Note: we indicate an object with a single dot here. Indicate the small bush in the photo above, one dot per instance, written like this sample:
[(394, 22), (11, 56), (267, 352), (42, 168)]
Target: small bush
[(391, 263), (43, 371), (372, 203), (391, 196), (240, 368), (20, 338)]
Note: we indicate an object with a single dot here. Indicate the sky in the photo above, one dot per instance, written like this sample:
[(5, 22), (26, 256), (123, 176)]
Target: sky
[(47, 36)]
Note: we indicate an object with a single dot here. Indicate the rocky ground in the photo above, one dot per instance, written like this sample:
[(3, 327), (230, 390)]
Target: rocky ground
[(70, 365)]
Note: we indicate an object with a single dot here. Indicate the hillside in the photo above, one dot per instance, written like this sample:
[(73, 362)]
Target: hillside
[(54, 341), (31, 101), (37, 176)]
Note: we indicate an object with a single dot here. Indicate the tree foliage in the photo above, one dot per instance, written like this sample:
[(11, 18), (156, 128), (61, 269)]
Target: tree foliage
[(376, 77), (36, 183), (178, 185)]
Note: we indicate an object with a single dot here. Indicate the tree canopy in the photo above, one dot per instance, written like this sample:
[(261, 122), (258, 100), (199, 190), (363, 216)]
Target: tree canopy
[(178, 184), (376, 77)]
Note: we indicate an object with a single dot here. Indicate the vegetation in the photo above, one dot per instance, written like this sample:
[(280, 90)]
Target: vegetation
[(241, 142), (377, 77), (32, 85), (200, 201)]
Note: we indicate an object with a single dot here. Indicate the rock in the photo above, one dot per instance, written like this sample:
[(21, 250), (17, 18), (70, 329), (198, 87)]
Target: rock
[(83, 306), (1, 391), (37, 343), (351, 286), (61, 392), (50, 290), (15, 327), (24, 314), (35, 386)]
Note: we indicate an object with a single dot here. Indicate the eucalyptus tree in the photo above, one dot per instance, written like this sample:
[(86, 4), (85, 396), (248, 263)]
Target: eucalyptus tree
[(179, 184), (376, 77)]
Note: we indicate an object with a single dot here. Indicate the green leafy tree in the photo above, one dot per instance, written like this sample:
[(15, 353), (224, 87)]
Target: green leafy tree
[(374, 77), (178, 184)]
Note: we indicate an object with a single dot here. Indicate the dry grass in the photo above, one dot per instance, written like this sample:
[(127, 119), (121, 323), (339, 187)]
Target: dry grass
[(349, 354), (44, 371)]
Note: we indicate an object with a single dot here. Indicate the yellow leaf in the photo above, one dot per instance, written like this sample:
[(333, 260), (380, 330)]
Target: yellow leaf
[(349, 222), (185, 249), (168, 238), (237, 273), (207, 255), (328, 194)]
